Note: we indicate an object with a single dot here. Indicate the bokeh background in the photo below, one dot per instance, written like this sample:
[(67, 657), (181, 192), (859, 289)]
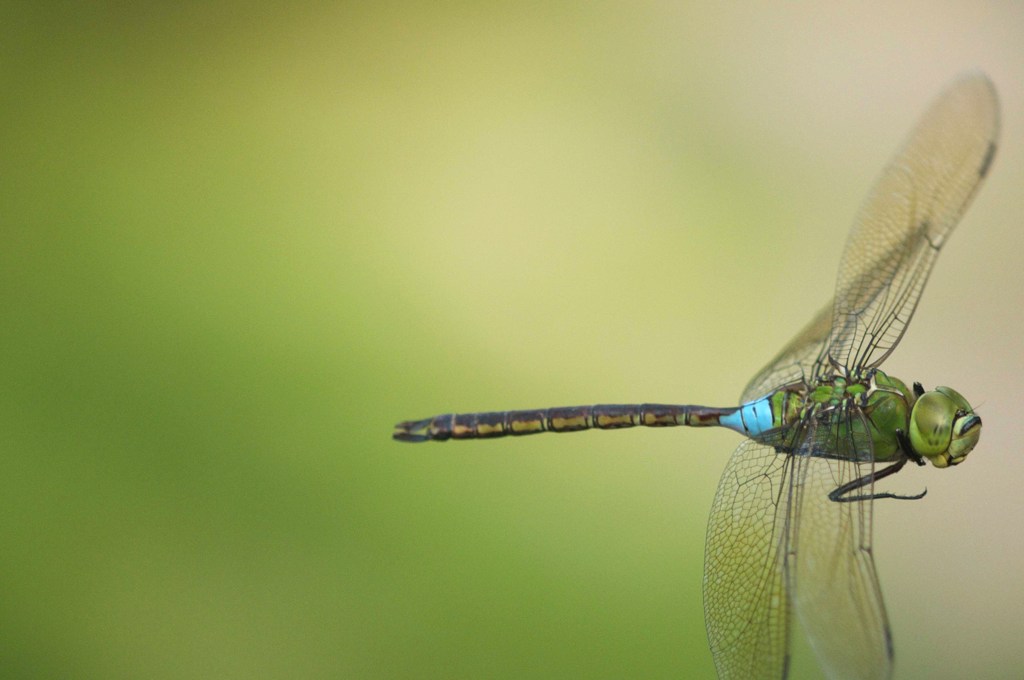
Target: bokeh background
[(240, 241)]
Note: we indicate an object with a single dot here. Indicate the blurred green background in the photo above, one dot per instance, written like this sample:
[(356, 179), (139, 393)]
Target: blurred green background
[(239, 242)]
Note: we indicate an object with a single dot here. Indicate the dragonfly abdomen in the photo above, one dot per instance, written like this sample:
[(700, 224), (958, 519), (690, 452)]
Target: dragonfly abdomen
[(561, 419)]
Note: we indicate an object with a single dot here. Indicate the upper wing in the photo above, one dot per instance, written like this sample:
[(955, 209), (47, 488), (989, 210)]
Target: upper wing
[(796, 360), (906, 219)]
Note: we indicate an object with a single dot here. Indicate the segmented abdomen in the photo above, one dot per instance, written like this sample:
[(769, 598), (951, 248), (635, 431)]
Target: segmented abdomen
[(562, 419)]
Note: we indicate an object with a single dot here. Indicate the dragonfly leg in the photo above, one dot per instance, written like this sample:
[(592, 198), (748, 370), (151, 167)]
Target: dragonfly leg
[(839, 495)]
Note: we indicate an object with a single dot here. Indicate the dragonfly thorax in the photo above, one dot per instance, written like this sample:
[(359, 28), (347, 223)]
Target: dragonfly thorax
[(875, 406)]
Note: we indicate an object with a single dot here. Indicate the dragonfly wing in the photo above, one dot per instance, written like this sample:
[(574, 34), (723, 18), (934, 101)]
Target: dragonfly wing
[(906, 220), (746, 607), (796, 359), (836, 592)]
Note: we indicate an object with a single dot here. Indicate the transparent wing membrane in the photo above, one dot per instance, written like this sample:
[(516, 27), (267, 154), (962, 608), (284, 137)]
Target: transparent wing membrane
[(895, 239), (796, 360), (906, 220), (838, 601), (745, 601)]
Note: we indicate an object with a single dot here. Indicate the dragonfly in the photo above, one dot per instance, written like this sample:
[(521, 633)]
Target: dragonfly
[(790, 525)]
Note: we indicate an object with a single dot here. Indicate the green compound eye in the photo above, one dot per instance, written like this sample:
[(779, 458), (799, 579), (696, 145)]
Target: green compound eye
[(944, 427)]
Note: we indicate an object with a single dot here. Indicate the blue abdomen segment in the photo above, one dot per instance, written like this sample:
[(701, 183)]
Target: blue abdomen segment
[(751, 419)]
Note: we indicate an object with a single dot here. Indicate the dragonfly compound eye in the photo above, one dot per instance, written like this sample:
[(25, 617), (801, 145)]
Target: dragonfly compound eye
[(944, 427)]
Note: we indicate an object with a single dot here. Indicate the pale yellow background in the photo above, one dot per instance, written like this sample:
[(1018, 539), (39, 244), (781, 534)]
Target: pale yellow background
[(238, 242)]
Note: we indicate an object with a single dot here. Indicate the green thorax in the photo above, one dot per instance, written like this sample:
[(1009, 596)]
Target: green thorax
[(885, 403)]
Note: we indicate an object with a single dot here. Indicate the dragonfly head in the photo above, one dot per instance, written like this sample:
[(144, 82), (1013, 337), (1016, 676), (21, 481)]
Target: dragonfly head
[(943, 427)]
